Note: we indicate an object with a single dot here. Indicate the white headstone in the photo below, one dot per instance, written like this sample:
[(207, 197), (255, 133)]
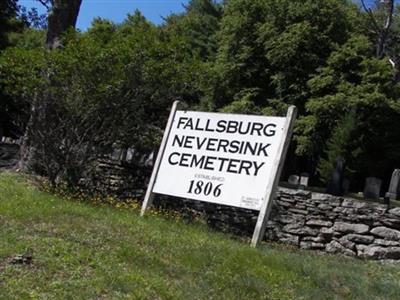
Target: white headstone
[(394, 188), (304, 179)]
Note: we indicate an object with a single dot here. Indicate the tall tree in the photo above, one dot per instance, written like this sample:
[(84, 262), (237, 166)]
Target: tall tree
[(382, 25), (8, 14), (261, 59), (63, 15), (8, 9), (197, 27)]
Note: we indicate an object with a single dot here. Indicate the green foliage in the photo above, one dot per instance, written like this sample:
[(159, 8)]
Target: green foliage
[(338, 145), (81, 251), (9, 24), (127, 70), (8, 21), (240, 56), (354, 81), (29, 38), (20, 82), (196, 27), (262, 46)]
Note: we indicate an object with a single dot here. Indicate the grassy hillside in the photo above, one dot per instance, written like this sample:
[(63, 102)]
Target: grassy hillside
[(81, 251)]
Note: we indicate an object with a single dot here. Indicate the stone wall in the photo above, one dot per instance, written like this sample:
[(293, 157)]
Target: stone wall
[(8, 155), (116, 177), (336, 225), (314, 221)]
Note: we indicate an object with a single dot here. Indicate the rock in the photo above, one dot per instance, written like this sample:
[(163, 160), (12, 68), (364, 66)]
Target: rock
[(362, 218), (21, 259), (347, 243), (377, 252), (387, 233), (298, 211), (288, 220), (289, 239), (360, 239), (313, 210), (353, 204), (380, 209), (317, 222), (271, 234), (300, 206), (393, 223), (286, 199), (270, 223), (311, 206), (8, 155), (327, 233), (300, 229), (311, 245), (386, 243), (317, 239), (395, 211), (323, 197), (344, 210), (325, 207), (338, 209), (283, 203), (336, 247), (290, 193), (335, 201), (350, 227)]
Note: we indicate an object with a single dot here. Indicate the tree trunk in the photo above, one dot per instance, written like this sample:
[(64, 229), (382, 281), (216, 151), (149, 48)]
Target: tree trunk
[(62, 16), (383, 35)]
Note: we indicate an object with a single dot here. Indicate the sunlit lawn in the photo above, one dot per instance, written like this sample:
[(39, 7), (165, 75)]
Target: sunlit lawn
[(82, 251)]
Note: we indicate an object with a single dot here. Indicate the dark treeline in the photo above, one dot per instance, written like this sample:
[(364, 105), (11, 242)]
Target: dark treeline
[(112, 85)]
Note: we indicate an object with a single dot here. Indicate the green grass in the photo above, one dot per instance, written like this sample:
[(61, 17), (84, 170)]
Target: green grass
[(81, 251)]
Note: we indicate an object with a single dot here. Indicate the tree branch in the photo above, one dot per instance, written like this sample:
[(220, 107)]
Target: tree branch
[(371, 15), (45, 3)]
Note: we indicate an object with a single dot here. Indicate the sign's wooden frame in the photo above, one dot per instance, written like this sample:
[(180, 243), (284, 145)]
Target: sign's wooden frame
[(274, 179), (271, 185), (148, 198)]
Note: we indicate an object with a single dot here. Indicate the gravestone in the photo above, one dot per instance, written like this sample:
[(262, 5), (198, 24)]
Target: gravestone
[(335, 183), (372, 188), (294, 180), (394, 188), (346, 186), (304, 177)]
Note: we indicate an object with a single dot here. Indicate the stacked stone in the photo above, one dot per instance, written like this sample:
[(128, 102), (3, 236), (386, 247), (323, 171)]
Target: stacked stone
[(226, 218), (9, 155), (336, 225), (113, 177)]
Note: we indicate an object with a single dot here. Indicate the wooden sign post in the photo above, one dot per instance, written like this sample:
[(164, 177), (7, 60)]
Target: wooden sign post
[(227, 159), (277, 167), (148, 198)]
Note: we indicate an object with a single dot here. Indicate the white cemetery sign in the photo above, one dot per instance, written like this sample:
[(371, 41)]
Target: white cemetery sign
[(226, 159)]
